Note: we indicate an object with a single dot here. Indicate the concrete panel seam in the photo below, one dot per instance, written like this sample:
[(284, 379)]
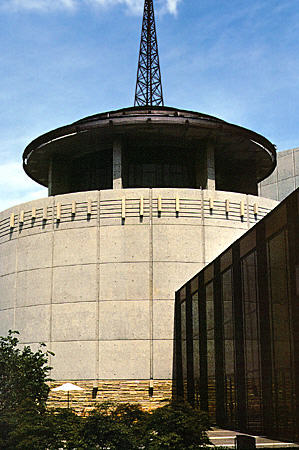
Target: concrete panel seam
[(133, 300), (7, 309), (16, 282), (36, 304), (66, 303), (125, 339), (154, 260), (7, 274), (203, 228), (56, 267), (151, 287), (58, 341), (98, 275), (52, 279)]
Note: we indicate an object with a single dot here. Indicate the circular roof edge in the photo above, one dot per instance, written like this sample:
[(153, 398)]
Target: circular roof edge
[(160, 115)]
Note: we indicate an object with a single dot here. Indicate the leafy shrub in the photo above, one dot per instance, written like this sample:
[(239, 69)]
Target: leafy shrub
[(177, 426), (26, 424), (23, 374)]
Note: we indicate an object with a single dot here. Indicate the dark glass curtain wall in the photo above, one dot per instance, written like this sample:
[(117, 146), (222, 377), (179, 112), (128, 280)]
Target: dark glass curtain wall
[(239, 323)]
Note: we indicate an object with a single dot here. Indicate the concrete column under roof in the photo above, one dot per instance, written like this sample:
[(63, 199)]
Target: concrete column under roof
[(58, 176), (210, 154), (117, 164), (50, 179), (200, 181)]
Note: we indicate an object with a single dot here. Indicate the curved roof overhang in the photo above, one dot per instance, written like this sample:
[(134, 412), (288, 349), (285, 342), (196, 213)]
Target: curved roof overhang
[(186, 129)]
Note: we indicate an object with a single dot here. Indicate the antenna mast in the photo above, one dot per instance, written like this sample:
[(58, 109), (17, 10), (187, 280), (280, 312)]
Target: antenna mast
[(149, 85)]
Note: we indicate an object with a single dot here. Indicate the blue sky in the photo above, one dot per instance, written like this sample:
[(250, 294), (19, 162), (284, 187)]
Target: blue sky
[(62, 60)]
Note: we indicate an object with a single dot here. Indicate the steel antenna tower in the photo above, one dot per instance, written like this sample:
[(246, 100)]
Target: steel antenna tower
[(149, 85)]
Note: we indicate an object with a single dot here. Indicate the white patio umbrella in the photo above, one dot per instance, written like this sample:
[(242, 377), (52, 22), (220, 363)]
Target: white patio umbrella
[(67, 387)]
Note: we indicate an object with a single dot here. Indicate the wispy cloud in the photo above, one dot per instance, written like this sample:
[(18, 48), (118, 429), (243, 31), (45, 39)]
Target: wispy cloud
[(172, 6), (38, 5), (134, 6)]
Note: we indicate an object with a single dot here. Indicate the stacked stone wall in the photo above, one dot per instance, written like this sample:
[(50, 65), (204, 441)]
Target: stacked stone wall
[(119, 391)]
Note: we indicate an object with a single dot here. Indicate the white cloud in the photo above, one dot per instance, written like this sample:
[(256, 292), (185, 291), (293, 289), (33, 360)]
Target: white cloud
[(38, 5), (134, 6), (172, 6)]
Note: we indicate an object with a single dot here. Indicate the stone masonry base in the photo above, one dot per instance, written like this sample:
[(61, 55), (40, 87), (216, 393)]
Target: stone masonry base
[(122, 391)]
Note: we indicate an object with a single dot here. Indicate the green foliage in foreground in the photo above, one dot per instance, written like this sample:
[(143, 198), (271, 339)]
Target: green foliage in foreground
[(26, 424), (110, 426), (23, 374)]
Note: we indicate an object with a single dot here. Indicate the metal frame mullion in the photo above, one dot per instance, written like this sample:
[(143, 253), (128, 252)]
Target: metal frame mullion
[(204, 405), (238, 312), (264, 327), (293, 263), (189, 337), (219, 349)]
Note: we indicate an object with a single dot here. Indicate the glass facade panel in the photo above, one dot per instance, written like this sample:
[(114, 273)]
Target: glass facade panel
[(251, 342), (194, 285), (248, 243), (282, 370), (248, 314), (208, 273), (229, 350), (184, 347), (182, 293), (196, 351), (226, 260), (148, 167), (211, 349), (91, 172)]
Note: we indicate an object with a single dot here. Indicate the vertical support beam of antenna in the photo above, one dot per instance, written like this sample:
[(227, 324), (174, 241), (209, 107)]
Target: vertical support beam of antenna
[(211, 179), (117, 164), (149, 85)]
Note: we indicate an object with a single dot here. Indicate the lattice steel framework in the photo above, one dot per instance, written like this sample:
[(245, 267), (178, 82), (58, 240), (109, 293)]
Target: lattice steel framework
[(148, 86)]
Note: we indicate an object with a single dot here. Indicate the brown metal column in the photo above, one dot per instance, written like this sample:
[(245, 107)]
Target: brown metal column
[(219, 343), (178, 392), (293, 254), (264, 328), (189, 328), (203, 353), (239, 339)]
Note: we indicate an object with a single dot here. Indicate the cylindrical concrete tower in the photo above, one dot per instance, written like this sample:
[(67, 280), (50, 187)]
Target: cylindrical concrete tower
[(140, 200)]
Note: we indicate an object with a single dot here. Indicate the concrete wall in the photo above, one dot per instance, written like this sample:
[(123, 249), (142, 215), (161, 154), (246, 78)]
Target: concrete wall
[(285, 178), (94, 279)]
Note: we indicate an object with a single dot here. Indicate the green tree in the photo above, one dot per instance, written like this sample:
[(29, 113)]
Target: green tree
[(51, 430), (26, 424), (114, 426), (23, 374), (23, 388), (177, 426)]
